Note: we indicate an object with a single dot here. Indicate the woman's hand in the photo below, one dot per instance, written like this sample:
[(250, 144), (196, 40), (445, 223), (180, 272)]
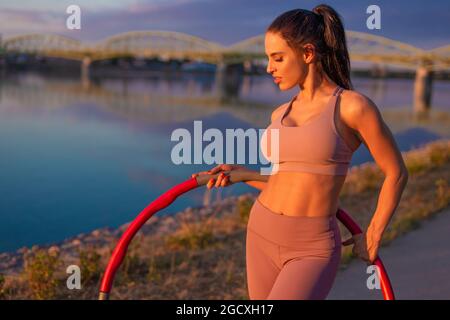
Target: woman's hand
[(365, 246), (223, 180)]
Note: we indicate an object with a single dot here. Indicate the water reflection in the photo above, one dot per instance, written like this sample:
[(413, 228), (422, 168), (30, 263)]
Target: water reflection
[(75, 158)]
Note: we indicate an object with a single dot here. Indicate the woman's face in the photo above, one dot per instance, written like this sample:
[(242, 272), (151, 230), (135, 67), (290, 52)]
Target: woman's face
[(285, 65)]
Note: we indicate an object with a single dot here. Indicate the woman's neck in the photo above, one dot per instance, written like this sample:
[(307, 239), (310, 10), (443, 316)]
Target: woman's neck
[(316, 84)]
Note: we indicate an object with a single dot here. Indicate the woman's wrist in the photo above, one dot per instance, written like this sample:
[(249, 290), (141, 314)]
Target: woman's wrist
[(373, 234)]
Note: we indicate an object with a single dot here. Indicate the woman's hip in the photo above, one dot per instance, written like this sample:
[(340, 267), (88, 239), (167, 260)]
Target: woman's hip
[(307, 236)]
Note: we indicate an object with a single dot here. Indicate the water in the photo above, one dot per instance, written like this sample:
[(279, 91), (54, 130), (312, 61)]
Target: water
[(76, 157)]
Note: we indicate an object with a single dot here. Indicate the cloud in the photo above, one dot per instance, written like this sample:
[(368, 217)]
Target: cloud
[(60, 5), (28, 21), (154, 5)]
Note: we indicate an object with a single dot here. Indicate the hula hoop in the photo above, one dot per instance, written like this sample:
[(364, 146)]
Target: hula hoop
[(167, 198)]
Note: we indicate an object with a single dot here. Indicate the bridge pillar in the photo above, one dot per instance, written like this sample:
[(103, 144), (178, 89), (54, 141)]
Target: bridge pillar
[(228, 81), (422, 89), (378, 70), (85, 64), (220, 76)]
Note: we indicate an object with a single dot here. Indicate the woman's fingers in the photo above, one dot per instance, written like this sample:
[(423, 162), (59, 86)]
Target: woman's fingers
[(216, 169), (359, 249), (200, 173), (364, 256), (219, 180), (348, 242), (211, 183), (197, 174), (225, 181), (222, 180)]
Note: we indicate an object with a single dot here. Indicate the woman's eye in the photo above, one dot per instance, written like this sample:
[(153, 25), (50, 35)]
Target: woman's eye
[(278, 60)]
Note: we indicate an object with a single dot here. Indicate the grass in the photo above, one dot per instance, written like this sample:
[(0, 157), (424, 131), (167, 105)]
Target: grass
[(192, 236), (40, 271), (90, 265)]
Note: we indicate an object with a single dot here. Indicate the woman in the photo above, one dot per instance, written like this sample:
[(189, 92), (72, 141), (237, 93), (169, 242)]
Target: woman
[(293, 245)]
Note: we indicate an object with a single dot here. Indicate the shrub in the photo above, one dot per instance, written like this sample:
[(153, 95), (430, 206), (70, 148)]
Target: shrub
[(244, 206), (40, 268), (442, 193), (439, 154), (415, 165), (90, 266), (2, 286), (133, 266), (160, 264), (192, 235)]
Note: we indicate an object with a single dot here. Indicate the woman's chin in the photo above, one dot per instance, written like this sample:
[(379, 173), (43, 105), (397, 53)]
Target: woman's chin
[(283, 87)]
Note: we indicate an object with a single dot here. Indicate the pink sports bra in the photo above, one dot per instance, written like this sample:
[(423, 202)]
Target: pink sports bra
[(315, 146)]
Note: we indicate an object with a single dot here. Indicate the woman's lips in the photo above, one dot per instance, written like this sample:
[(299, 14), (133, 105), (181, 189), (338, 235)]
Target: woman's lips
[(277, 80)]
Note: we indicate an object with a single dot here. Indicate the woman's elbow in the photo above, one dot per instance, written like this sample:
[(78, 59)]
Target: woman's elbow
[(403, 176), (399, 174)]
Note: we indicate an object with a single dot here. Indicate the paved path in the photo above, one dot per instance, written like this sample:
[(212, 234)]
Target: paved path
[(418, 265)]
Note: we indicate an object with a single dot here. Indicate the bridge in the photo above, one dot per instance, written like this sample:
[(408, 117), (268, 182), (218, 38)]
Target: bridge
[(169, 45)]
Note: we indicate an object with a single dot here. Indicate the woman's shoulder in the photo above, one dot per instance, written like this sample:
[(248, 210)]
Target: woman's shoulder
[(352, 99), (278, 111), (353, 105)]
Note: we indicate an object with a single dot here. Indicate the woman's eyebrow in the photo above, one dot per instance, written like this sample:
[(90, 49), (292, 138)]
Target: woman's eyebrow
[(274, 53)]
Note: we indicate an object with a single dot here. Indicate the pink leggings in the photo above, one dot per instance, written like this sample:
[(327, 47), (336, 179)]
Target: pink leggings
[(290, 258)]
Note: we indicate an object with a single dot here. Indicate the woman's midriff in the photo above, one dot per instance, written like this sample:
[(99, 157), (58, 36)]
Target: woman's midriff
[(302, 194)]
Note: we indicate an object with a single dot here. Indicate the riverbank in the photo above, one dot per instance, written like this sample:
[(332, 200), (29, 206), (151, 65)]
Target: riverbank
[(199, 253)]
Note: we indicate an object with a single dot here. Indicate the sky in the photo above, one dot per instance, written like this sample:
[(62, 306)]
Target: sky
[(424, 24)]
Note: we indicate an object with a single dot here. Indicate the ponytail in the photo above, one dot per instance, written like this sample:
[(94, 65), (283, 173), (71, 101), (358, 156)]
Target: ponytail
[(335, 60)]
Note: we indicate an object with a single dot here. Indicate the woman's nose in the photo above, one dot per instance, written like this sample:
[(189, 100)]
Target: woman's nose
[(269, 68)]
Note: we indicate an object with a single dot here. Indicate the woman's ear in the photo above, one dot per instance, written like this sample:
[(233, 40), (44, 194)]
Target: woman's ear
[(309, 53)]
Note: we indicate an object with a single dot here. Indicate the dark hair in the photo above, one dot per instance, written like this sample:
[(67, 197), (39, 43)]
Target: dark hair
[(323, 28)]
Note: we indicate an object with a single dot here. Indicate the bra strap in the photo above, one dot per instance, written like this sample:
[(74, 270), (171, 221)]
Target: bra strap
[(287, 108), (338, 91)]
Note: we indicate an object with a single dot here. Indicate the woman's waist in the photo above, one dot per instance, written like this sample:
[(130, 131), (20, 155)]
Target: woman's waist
[(301, 196), (304, 177), (301, 206), (292, 230)]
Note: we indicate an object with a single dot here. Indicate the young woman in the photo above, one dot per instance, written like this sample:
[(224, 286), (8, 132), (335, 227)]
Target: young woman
[(293, 245)]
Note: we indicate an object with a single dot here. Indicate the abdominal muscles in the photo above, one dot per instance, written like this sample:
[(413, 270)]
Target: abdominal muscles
[(302, 194)]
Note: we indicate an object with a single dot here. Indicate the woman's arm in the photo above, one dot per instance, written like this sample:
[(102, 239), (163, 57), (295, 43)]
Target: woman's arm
[(362, 115), (223, 174), (257, 184), (256, 180), (260, 185)]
